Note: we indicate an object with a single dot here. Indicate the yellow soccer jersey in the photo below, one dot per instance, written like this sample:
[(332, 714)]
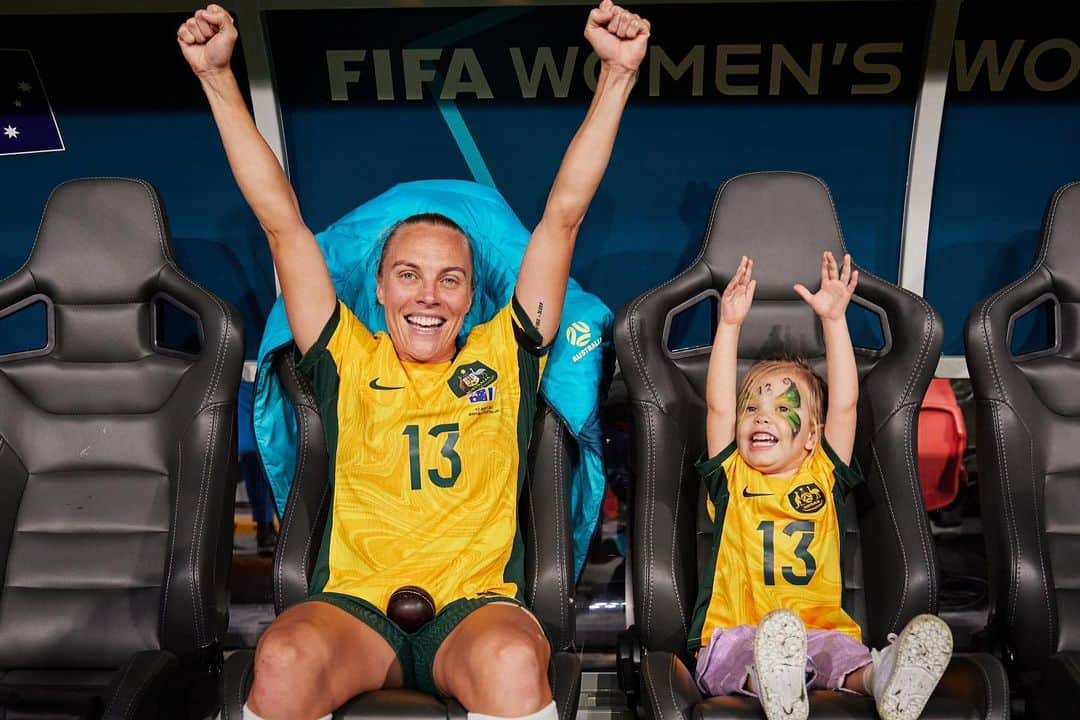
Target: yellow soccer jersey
[(776, 544), (426, 461)]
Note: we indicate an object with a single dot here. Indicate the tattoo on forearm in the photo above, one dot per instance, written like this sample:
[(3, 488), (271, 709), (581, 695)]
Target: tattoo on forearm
[(539, 313)]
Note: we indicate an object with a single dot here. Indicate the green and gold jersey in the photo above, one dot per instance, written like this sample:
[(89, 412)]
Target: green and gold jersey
[(776, 544), (426, 460)]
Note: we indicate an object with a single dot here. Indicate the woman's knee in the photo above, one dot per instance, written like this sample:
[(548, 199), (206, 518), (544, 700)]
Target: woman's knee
[(290, 653), (511, 665)]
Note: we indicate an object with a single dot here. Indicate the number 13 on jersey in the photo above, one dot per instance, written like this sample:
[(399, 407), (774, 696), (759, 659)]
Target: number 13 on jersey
[(450, 432), (805, 531)]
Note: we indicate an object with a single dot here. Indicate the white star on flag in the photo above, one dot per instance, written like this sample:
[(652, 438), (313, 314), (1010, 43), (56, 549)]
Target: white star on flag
[(27, 122)]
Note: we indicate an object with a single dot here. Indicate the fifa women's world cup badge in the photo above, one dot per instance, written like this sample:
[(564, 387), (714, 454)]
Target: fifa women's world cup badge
[(807, 498)]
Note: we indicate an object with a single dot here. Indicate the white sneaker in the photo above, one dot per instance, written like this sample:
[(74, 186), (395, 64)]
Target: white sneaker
[(906, 672), (779, 672)]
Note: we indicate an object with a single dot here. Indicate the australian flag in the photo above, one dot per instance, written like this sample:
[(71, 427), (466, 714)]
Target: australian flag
[(27, 124)]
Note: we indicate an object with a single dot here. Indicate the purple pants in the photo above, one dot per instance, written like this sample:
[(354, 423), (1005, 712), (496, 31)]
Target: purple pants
[(724, 664)]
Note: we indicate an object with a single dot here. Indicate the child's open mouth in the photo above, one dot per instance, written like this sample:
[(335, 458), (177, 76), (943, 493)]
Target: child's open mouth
[(763, 440)]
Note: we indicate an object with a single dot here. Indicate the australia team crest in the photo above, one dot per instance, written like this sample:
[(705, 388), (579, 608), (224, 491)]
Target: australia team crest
[(808, 498), (470, 378)]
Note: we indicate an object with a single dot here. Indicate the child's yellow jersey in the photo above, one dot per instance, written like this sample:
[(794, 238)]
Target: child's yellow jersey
[(426, 460), (776, 544)]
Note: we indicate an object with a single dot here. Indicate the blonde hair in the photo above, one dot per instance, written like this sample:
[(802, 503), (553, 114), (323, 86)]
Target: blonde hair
[(816, 391)]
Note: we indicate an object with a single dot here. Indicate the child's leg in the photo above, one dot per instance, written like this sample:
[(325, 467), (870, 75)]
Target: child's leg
[(904, 674), (724, 664), (838, 660), (856, 680)]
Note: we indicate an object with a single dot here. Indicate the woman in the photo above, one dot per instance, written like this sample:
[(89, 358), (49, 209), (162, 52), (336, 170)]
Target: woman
[(426, 439)]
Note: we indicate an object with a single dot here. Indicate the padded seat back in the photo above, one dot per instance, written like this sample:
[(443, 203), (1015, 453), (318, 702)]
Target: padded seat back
[(1028, 422), (115, 452)]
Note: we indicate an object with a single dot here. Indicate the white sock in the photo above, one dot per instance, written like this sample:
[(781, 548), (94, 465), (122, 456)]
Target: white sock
[(249, 714), (547, 712)]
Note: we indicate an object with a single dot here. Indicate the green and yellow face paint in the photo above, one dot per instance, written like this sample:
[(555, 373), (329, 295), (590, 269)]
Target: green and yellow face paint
[(791, 400)]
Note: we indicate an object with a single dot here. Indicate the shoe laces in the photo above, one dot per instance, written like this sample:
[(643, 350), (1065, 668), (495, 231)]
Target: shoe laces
[(883, 661), (879, 656), (917, 683)]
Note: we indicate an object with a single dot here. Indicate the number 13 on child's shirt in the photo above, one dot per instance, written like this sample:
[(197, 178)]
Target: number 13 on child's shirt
[(804, 530)]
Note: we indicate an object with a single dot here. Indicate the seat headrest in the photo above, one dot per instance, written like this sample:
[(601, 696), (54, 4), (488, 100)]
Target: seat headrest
[(101, 241), (783, 221), (1060, 247)]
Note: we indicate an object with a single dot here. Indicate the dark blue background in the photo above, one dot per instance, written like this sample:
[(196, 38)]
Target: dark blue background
[(133, 109), (1002, 155), (671, 154)]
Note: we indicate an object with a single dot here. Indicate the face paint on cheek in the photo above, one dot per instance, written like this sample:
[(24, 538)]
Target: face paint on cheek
[(795, 420), (792, 400)]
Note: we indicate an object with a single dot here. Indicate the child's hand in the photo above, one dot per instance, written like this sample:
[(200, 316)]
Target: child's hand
[(739, 294), (837, 286)]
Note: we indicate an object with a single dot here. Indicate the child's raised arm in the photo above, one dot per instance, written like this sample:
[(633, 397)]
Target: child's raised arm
[(829, 303), (723, 362)]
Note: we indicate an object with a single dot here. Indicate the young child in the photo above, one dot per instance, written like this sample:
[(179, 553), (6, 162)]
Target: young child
[(777, 475)]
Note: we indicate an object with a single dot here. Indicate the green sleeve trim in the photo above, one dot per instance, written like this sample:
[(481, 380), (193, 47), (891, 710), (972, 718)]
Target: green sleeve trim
[(311, 358), (708, 466), (528, 335), (712, 472), (849, 476)]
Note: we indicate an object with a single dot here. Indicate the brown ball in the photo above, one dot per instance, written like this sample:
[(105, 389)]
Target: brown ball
[(410, 607)]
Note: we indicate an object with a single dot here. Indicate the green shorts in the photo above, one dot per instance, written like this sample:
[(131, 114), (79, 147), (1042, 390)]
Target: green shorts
[(416, 651)]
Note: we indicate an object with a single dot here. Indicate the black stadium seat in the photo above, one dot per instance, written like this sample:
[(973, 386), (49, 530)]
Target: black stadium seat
[(545, 523), (1028, 423), (783, 221), (117, 470)]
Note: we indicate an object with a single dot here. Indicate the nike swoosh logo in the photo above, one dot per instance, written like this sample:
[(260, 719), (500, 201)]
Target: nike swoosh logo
[(374, 385), (747, 494)]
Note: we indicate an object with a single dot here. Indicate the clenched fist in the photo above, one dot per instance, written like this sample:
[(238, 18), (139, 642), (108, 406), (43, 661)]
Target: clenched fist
[(207, 39), (618, 36)]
